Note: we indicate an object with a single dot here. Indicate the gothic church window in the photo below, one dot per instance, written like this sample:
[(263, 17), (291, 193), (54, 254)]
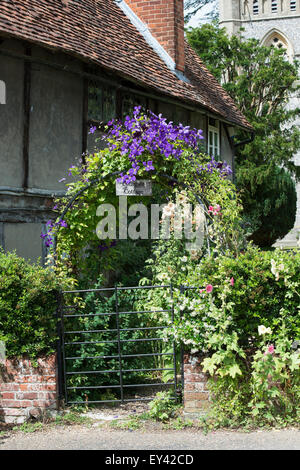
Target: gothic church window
[(293, 5), (255, 7), (277, 43), (275, 39), (274, 6)]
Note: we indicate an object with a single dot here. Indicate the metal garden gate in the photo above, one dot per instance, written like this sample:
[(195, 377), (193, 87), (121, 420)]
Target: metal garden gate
[(85, 353)]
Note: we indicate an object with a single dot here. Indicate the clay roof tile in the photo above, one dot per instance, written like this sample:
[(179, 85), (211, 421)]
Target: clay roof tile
[(99, 31)]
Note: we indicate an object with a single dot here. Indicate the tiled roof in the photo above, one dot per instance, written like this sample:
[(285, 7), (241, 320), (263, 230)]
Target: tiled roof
[(98, 31)]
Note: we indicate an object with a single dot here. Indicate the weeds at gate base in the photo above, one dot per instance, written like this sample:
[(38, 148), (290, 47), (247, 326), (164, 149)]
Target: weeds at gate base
[(163, 408), (29, 427), (70, 418), (134, 423)]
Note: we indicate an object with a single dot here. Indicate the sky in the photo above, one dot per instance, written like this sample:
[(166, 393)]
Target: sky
[(198, 18)]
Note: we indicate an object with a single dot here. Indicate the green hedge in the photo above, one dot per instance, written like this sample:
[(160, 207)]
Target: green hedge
[(246, 320), (27, 307), (258, 298)]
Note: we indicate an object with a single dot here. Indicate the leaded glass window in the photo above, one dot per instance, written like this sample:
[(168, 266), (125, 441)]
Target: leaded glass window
[(101, 102)]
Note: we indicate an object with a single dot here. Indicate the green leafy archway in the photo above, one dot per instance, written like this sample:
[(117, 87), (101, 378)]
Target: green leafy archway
[(144, 145)]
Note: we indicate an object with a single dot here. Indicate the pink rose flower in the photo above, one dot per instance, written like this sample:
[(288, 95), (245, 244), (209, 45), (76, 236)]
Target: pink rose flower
[(271, 349), (209, 288), (232, 281), (214, 210)]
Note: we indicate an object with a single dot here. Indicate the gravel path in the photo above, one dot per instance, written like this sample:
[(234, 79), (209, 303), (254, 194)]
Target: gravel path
[(96, 438)]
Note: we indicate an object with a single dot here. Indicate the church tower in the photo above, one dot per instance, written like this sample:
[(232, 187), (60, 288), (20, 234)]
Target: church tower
[(273, 22), (230, 12)]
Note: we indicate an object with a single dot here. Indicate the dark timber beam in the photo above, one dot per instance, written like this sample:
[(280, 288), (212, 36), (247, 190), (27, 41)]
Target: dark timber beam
[(26, 117), (85, 106)]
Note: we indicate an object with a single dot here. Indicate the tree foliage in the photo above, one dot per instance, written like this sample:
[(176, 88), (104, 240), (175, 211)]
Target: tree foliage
[(271, 210), (261, 81), (27, 306), (192, 7)]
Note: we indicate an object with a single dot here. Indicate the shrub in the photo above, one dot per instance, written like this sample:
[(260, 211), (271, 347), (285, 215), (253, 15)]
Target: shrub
[(163, 406), (27, 307), (270, 210), (265, 290), (246, 321), (260, 294)]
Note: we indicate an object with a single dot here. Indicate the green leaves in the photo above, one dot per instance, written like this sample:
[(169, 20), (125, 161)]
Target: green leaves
[(234, 370), (209, 365), (260, 80), (254, 377), (294, 362), (223, 363), (27, 306), (162, 407)]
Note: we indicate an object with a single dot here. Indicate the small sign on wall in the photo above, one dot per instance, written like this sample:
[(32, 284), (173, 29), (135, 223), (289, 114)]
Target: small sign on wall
[(135, 188)]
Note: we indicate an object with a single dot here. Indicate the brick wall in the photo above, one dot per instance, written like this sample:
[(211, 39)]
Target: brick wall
[(26, 390), (196, 395), (165, 19)]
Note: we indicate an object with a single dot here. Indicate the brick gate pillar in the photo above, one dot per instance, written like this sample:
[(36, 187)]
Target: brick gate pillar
[(196, 395), (27, 388)]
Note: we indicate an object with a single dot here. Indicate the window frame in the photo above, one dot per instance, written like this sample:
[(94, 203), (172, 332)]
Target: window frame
[(213, 149), (2, 92), (274, 6), (104, 90), (255, 7)]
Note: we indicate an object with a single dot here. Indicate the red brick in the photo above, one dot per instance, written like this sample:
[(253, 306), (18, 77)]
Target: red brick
[(28, 387), (8, 387), (24, 387), (195, 378), (196, 395), (7, 396), (188, 396), (16, 404), (197, 406), (189, 387), (169, 22), (49, 387), (12, 412), (42, 403), (26, 396), (31, 387), (49, 396)]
